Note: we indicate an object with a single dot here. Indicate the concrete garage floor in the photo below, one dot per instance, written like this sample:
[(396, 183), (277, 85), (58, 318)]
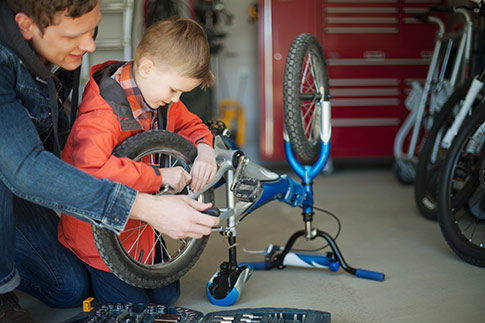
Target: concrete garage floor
[(381, 231)]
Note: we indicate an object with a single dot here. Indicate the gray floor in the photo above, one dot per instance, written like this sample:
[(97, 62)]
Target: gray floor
[(381, 231)]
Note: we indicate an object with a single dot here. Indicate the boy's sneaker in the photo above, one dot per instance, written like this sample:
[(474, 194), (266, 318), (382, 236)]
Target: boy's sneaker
[(10, 310)]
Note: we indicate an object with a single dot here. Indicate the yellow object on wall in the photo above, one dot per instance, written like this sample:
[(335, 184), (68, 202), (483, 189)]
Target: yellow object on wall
[(232, 114)]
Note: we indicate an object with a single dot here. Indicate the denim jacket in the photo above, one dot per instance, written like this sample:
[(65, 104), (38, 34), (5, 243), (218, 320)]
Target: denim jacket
[(37, 175)]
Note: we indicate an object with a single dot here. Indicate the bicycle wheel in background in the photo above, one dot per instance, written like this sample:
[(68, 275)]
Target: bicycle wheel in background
[(431, 157), (168, 259), (305, 84), (461, 194)]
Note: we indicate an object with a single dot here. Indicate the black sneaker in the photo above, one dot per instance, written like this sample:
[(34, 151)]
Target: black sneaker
[(10, 310)]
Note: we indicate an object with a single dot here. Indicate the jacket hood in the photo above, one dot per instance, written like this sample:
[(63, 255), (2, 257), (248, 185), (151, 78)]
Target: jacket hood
[(102, 86), (103, 91)]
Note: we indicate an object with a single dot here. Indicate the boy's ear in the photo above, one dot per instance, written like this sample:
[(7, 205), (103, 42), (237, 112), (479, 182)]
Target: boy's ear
[(25, 24), (146, 67)]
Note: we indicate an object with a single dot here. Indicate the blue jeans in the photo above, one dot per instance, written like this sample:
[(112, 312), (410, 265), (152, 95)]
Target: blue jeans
[(43, 267), (110, 289)]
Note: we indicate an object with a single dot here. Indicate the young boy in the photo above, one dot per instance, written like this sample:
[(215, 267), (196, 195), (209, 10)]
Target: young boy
[(120, 100)]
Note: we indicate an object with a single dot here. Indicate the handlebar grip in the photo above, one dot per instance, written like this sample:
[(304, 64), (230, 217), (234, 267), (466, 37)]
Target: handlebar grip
[(213, 211), (441, 9), (368, 274), (422, 17)]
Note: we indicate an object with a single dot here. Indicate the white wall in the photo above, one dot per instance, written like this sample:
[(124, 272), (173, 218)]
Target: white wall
[(236, 69)]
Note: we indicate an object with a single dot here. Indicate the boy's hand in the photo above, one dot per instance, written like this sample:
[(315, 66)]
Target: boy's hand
[(176, 177), (204, 168)]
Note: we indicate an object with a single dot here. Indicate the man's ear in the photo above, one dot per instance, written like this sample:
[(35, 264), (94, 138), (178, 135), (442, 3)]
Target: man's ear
[(25, 24), (145, 67)]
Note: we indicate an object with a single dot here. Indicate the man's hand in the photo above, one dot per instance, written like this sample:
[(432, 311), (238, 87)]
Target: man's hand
[(176, 177), (177, 216), (204, 168)]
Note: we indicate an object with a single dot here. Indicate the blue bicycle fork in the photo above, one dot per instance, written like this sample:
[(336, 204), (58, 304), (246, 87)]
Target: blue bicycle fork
[(307, 174)]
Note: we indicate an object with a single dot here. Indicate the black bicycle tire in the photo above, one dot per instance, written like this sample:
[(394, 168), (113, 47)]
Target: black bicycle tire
[(460, 245), (108, 243), (304, 148), (425, 185)]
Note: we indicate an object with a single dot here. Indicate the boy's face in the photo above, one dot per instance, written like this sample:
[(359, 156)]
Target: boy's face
[(66, 41), (161, 86)]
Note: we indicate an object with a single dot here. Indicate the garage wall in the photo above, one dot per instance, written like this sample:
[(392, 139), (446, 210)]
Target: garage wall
[(236, 69)]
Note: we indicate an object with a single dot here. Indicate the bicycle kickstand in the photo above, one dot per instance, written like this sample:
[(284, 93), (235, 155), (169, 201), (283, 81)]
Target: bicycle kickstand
[(279, 259), (226, 285)]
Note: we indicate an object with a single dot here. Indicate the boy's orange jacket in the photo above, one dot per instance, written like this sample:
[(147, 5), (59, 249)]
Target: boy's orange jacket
[(104, 120)]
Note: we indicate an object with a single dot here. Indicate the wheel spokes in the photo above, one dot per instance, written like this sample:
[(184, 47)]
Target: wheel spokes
[(160, 250), (309, 97), (467, 196)]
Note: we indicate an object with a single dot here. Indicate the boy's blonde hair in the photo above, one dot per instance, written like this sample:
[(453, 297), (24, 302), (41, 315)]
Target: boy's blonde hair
[(179, 43)]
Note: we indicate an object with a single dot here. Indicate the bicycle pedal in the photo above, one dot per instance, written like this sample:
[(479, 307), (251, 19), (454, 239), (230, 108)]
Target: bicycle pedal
[(248, 189)]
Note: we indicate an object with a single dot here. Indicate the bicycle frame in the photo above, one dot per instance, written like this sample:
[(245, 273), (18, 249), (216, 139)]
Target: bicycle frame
[(465, 109), (435, 92), (475, 87), (236, 168)]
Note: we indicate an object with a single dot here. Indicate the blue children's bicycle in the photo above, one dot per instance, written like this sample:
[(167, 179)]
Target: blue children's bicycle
[(248, 186)]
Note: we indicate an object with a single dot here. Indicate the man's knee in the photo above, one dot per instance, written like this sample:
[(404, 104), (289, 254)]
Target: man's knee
[(71, 294)]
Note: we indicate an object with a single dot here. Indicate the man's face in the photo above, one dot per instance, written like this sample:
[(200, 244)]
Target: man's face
[(66, 41)]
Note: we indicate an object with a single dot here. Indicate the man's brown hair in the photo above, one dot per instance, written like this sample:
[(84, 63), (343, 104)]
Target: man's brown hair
[(42, 12), (178, 43)]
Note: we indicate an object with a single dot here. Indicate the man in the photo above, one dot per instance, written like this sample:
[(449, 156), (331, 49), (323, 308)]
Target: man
[(41, 43)]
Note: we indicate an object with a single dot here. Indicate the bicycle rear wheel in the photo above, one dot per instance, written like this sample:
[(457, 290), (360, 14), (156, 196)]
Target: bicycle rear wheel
[(461, 195), (168, 259), (305, 84)]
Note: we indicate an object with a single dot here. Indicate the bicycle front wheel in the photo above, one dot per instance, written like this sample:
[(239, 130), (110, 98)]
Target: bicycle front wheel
[(305, 85), (461, 195), (167, 259), (430, 162)]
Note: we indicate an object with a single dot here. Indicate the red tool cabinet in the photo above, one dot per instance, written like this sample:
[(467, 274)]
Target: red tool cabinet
[(374, 49)]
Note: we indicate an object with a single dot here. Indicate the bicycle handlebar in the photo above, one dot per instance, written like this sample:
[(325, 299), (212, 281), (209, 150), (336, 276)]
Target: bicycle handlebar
[(369, 274), (424, 16)]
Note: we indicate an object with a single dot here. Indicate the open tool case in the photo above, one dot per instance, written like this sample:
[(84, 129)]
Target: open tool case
[(267, 315), (151, 313)]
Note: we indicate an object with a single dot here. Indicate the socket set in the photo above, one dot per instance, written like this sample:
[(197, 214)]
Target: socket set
[(151, 313), (267, 315), (141, 313)]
